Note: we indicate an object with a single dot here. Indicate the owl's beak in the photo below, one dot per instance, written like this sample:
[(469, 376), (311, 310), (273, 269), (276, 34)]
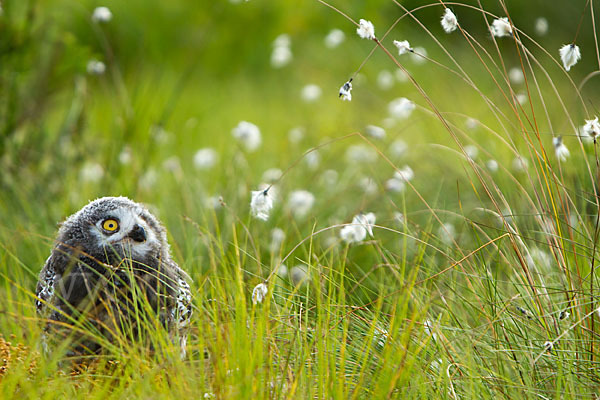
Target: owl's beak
[(138, 234)]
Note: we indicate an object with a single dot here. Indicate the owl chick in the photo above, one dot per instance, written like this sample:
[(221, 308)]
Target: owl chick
[(110, 276)]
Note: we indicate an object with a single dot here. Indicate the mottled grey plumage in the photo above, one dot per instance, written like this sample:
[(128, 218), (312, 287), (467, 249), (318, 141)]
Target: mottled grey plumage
[(111, 273)]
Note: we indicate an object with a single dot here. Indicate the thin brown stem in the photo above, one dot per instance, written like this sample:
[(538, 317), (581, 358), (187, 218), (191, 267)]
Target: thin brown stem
[(580, 22)]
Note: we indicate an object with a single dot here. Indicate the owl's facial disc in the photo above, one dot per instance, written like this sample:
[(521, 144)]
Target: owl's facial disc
[(124, 229)]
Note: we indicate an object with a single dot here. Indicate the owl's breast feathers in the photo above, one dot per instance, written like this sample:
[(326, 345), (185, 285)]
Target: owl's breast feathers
[(113, 294)]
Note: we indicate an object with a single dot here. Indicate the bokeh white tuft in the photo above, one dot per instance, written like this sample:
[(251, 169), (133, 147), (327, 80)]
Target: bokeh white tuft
[(95, 67), (248, 135), (334, 38), (401, 108), (205, 158), (102, 14), (311, 93), (300, 203), (562, 153)]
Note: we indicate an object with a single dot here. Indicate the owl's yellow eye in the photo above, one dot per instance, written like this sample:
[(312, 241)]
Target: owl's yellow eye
[(110, 225)]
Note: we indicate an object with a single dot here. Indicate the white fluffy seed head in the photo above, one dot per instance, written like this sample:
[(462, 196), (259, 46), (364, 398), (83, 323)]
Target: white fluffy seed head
[(557, 141), (562, 153), (205, 158), (449, 21), (91, 172), (311, 93), (101, 14), (281, 56), (569, 54), (520, 164), (360, 154), (405, 173), (398, 148), (272, 175), (95, 67), (501, 27), (376, 132), (330, 177), (248, 135), (126, 155), (403, 46), (357, 230), (516, 76), (282, 271), (366, 221), (541, 26), (418, 55), (261, 204), (471, 151), (395, 185), (471, 123), (353, 234), (300, 202), (401, 76), (492, 165), (172, 165), (366, 30), (282, 40), (368, 185), (345, 91), (259, 293), (591, 128), (401, 108), (148, 180), (295, 135), (312, 160), (299, 275), (400, 218), (282, 53), (385, 79), (334, 38), (277, 238), (521, 98), (447, 233)]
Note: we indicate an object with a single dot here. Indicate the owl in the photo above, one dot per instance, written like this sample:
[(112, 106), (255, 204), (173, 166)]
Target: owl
[(109, 277)]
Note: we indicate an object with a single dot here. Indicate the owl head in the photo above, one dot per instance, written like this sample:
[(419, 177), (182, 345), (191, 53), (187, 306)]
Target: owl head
[(111, 229)]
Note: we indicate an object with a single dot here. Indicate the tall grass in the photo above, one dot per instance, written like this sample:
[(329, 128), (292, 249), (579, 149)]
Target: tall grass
[(479, 280)]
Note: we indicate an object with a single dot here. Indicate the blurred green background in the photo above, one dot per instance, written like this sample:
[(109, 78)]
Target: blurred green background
[(181, 74)]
